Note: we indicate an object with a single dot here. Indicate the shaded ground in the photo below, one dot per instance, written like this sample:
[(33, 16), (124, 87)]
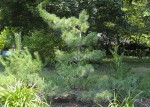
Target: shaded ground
[(71, 104), (145, 103), (67, 105)]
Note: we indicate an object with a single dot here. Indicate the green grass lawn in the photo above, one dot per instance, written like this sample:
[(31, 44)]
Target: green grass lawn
[(105, 67), (142, 65)]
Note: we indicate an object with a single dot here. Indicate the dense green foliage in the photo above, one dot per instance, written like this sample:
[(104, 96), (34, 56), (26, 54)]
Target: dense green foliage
[(120, 21), (69, 35), (44, 43)]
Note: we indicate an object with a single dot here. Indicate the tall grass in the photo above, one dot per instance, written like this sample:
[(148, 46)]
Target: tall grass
[(20, 95)]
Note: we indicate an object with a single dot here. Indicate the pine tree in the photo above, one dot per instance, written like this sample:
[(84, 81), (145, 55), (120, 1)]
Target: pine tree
[(73, 64)]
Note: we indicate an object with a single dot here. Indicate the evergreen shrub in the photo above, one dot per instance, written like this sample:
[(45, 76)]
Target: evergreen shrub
[(21, 61), (73, 64), (22, 64)]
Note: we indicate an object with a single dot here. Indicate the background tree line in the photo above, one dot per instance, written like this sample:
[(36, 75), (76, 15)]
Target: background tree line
[(117, 22)]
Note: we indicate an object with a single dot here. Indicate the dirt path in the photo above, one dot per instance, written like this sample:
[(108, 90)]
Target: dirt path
[(141, 69)]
